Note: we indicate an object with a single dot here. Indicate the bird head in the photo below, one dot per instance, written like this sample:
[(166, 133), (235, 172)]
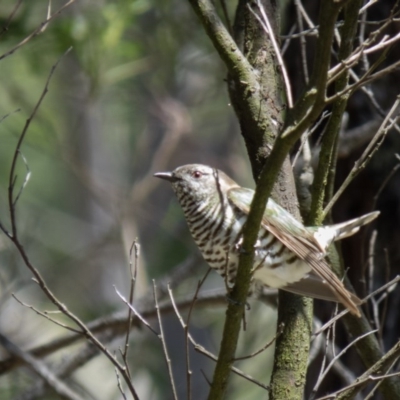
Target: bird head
[(197, 181)]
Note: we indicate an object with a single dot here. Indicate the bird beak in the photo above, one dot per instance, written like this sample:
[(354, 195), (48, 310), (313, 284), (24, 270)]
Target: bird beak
[(168, 176)]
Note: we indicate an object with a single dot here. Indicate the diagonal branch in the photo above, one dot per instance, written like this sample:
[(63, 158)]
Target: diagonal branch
[(41, 370), (327, 159), (373, 373), (223, 42)]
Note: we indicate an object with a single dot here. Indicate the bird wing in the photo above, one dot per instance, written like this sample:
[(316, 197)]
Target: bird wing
[(299, 240), (314, 286)]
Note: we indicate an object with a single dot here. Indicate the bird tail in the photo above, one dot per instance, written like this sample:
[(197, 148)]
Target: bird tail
[(348, 228), (325, 235)]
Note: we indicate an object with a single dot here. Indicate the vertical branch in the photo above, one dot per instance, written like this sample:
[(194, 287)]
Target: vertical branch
[(299, 9), (326, 160), (291, 360), (256, 30), (133, 272)]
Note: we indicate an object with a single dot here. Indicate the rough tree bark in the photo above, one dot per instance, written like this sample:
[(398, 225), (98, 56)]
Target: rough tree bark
[(295, 312)]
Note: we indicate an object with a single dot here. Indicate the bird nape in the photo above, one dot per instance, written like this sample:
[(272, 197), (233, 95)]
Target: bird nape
[(288, 255)]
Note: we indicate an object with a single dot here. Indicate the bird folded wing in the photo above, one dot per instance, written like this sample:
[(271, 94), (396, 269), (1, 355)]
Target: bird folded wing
[(242, 198), (319, 266), (299, 240)]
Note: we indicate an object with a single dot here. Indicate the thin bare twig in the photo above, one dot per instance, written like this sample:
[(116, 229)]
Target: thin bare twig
[(323, 374), (210, 355), (374, 302), (10, 17), (360, 83), (26, 180), (375, 372), (303, 50), (119, 384), (17, 152), (133, 273), (390, 286), (371, 261), (164, 344), (367, 5), (37, 31), (385, 296), (288, 38), (269, 31), (138, 315), (291, 35), (265, 347), (366, 47), (340, 368), (357, 137), (375, 388), (116, 324), (304, 14), (325, 358), (367, 154), (368, 91), (186, 329), (45, 314)]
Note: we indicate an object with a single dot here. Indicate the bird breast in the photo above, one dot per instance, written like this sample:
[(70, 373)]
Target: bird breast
[(217, 230)]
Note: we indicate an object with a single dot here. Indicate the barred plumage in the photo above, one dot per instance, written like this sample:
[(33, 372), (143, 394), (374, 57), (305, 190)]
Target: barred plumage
[(288, 255)]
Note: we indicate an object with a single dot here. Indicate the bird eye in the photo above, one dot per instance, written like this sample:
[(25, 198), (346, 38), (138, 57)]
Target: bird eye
[(197, 174)]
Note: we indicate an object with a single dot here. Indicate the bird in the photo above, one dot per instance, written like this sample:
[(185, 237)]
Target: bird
[(287, 254)]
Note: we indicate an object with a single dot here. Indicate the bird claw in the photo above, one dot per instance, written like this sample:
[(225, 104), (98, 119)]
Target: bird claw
[(240, 250)]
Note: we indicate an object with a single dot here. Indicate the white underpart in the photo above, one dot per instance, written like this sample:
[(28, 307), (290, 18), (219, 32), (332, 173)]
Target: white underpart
[(271, 266), (283, 275), (324, 237)]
